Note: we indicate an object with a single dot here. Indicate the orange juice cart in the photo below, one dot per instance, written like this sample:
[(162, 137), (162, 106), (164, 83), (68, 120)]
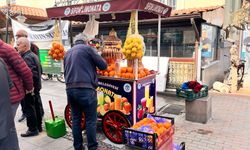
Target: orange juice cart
[(125, 94)]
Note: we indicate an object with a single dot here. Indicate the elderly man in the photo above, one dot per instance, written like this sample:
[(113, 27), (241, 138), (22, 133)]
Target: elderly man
[(33, 113), (80, 64), (8, 136), (34, 49)]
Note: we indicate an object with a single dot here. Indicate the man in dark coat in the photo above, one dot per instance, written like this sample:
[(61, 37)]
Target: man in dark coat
[(34, 48), (80, 65), (8, 136), (32, 107)]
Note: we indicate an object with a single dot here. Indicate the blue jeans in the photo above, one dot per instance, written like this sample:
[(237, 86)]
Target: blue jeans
[(83, 100)]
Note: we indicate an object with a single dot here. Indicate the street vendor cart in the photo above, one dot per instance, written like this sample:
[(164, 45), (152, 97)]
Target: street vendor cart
[(125, 94)]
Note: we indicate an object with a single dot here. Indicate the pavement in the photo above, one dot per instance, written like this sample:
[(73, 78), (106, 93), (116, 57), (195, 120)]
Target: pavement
[(228, 129)]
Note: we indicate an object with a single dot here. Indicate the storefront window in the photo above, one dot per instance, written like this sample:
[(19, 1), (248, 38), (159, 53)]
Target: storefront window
[(175, 41), (209, 41)]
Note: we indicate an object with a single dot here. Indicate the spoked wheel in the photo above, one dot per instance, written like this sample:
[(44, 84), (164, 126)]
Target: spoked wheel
[(60, 78), (68, 119), (112, 124)]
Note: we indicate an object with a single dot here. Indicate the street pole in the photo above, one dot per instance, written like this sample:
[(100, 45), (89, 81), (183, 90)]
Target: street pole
[(7, 21)]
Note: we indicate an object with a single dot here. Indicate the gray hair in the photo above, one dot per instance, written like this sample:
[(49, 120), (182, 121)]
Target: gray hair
[(81, 37), (24, 41)]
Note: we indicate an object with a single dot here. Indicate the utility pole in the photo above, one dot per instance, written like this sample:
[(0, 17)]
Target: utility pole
[(7, 21)]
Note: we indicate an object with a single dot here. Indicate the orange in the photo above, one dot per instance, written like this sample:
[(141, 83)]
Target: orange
[(52, 48), (100, 73), (57, 51), (127, 75), (123, 70), (109, 69), (61, 47), (119, 74), (139, 76), (106, 73), (132, 76), (56, 46), (123, 75), (60, 55), (50, 53), (129, 69), (54, 56), (167, 125), (111, 73)]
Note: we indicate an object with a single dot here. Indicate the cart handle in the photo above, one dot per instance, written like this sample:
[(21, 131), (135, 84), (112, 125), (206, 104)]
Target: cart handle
[(51, 110)]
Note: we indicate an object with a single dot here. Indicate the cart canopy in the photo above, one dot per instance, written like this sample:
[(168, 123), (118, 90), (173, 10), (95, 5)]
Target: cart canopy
[(114, 10)]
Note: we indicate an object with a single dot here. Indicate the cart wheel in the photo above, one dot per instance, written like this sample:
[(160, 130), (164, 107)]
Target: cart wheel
[(112, 124), (60, 78), (68, 119)]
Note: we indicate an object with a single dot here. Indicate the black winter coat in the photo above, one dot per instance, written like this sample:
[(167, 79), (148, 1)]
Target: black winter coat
[(32, 61)]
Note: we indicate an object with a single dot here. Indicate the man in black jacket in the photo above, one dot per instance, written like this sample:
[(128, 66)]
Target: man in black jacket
[(34, 48), (32, 107), (8, 136)]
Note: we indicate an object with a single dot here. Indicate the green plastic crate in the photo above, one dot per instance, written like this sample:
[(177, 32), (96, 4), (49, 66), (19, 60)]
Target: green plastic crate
[(190, 95), (55, 129)]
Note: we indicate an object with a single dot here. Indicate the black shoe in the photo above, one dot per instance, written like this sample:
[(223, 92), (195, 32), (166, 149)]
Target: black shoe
[(21, 118), (30, 133), (40, 129)]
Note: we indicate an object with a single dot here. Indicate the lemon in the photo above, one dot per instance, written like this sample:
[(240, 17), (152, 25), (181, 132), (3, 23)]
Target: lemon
[(134, 49), (135, 44), (139, 47), (128, 52), (129, 40), (133, 55)]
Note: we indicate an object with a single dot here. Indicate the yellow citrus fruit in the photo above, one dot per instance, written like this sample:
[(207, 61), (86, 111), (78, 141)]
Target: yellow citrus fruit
[(139, 47), (139, 55), (130, 46), (129, 40), (128, 52), (134, 49), (133, 55)]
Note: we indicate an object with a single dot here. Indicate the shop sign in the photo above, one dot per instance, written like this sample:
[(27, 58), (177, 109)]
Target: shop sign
[(156, 8), (83, 9)]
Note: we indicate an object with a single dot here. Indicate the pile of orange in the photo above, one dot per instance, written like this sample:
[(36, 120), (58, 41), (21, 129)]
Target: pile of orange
[(56, 52), (128, 72), (158, 128), (125, 72), (109, 72)]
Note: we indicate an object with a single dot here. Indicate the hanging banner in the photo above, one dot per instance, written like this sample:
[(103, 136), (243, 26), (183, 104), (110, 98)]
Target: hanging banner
[(41, 32)]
